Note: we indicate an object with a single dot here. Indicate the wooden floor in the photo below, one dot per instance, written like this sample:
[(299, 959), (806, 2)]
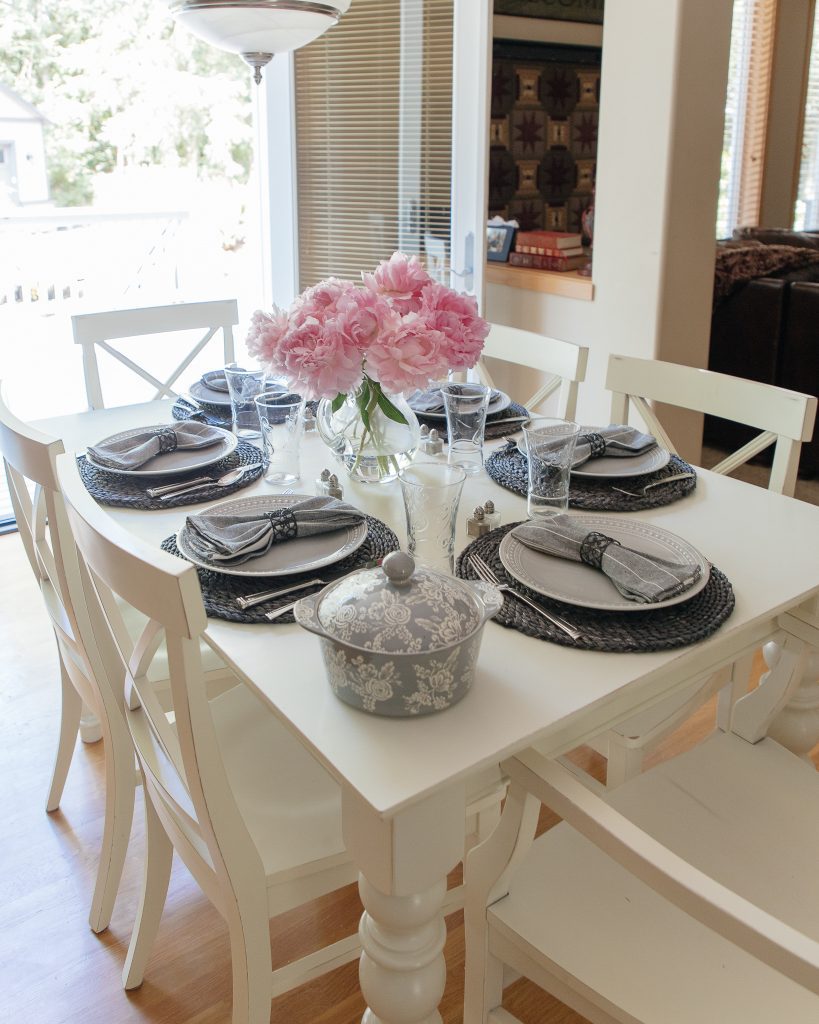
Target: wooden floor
[(53, 969)]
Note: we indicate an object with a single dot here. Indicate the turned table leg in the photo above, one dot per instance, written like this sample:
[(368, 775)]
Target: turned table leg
[(797, 724), (404, 861)]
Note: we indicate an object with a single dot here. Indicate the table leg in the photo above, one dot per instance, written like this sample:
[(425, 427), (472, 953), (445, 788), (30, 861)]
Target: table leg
[(797, 724), (404, 861)]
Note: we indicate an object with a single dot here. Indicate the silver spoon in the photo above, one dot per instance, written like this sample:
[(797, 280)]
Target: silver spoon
[(232, 475)]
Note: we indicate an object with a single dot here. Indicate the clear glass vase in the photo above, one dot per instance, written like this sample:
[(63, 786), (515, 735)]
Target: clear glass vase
[(372, 434)]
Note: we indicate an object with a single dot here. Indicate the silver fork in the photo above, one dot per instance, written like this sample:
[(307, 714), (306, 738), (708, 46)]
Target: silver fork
[(485, 573), (657, 483)]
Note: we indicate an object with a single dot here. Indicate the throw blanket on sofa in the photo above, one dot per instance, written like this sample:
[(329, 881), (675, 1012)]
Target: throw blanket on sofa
[(740, 262)]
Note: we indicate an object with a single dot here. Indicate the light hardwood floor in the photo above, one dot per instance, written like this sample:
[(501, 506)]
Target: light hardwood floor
[(53, 969)]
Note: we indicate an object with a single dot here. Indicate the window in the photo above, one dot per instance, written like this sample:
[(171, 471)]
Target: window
[(373, 105), (807, 196)]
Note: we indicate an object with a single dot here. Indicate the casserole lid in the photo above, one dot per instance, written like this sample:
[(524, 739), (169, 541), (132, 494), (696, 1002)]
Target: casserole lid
[(400, 609)]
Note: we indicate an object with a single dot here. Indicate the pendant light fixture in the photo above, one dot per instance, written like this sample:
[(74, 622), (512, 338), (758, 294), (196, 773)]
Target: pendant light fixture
[(258, 29)]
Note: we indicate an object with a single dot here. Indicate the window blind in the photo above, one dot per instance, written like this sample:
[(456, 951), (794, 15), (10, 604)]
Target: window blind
[(762, 15), (373, 139), (731, 166), (806, 215)]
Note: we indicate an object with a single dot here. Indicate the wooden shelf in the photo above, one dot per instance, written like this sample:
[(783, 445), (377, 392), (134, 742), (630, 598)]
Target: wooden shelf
[(568, 283)]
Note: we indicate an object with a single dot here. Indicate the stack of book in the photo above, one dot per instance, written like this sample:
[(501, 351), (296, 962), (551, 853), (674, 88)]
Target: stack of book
[(548, 250)]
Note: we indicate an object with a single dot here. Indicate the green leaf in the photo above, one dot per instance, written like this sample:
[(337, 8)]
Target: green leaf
[(389, 409), (364, 397), (338, 401)]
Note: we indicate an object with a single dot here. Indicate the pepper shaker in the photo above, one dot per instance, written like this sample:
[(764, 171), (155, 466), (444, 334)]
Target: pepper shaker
[(334, 487), (476, 525)]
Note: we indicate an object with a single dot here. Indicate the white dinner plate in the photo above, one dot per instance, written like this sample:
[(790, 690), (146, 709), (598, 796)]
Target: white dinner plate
[(579, 584), (171, 463), (498, 401), (302, 554)]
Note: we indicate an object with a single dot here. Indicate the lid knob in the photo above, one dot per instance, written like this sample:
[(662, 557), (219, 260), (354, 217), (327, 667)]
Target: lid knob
[(398, 567)]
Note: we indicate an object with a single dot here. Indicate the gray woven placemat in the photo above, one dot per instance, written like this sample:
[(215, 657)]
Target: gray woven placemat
[(660, 629), (129, 491), (495, 427), (219, 591), (216, 415), (508, 468)]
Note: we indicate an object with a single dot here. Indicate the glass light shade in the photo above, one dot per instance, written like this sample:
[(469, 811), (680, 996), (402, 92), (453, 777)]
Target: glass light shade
[(258, 29)]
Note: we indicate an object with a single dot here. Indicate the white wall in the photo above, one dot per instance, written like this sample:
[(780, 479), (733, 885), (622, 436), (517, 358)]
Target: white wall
[(663, 84)]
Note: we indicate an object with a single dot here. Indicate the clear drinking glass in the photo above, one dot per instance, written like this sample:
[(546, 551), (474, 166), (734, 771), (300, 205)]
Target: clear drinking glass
[(550, 451), (281, 418), (243, 387), (466, 406), (432, 492)]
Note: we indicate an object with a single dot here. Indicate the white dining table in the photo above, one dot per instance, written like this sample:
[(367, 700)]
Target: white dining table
[(404, 781)]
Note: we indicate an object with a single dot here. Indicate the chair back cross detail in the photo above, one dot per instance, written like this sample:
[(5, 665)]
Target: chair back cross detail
[(94, 331)]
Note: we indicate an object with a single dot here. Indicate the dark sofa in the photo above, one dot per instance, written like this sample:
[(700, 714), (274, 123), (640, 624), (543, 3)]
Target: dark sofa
[(768, 330)]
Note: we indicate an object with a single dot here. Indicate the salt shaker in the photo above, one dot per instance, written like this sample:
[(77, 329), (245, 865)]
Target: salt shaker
[(431, 443), (476, 525), (491, 517), (323, 482)]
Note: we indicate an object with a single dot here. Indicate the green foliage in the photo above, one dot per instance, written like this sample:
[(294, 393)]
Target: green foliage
[(123, 86)]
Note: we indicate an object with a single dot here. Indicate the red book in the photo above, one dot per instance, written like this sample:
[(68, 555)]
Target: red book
[(559, 263), (542, 251), (549, 239)]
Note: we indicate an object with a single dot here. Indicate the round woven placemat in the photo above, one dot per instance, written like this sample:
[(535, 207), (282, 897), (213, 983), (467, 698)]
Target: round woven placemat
[(129, 491), (495, 427), (508, 468), (219, 591), (658, 630), (213, 414)]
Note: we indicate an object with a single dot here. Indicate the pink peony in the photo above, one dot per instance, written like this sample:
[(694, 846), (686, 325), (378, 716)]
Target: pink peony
[(319, 302), (265, 333), (319, 361), (408, 356), (401, 280), (456, 317), (363, 316)]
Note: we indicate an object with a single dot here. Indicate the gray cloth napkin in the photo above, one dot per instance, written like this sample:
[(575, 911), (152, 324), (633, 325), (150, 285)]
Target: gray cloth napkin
[(642, 578), (215, 380), (432, 400), (231, 540), (618, 440), (134, 451)]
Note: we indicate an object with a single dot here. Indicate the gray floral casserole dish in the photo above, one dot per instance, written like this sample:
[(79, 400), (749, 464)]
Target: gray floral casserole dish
[(397, 640)]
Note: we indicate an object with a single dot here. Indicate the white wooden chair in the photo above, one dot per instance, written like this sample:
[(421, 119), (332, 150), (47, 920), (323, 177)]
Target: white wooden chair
[(564, 363), (686, 894), (786, 419), (98, 330), (253, 816), (29, 458)]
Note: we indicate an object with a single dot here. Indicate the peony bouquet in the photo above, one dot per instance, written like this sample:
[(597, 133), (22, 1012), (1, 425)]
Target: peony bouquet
[(394, 335)]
